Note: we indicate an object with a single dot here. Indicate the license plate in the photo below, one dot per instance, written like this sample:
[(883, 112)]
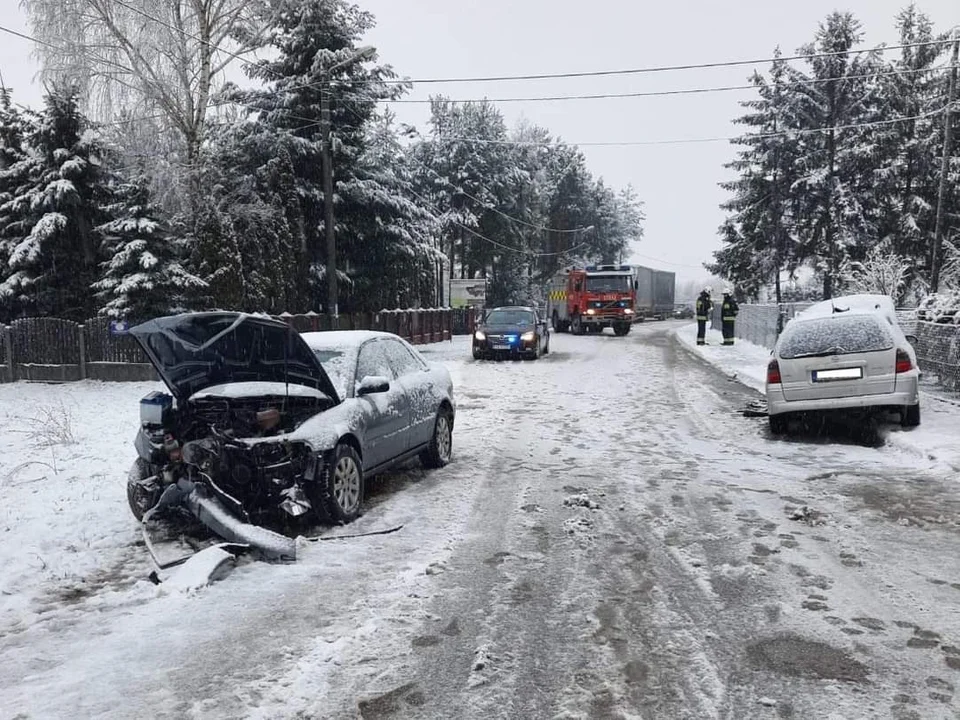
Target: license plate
[(501, 347), (839, 374)]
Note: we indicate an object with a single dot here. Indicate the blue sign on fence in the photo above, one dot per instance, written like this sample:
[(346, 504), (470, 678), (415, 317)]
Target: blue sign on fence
[(119, 327)]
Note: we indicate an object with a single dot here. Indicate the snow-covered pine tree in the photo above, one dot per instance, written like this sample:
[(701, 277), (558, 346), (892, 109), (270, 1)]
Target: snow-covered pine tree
[(143, 277), (15, 127), (310, 36), (757, 234), (464, 167), (907, 153), (393, 253), (51, 221), (571, 205), (835, 162)]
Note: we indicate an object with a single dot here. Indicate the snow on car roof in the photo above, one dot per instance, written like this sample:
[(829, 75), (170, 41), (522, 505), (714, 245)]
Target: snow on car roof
[(341, 338), (845, 304)]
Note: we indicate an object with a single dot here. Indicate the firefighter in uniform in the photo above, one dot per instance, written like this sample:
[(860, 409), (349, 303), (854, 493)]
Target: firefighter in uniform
[(704, 306), (728, 315)]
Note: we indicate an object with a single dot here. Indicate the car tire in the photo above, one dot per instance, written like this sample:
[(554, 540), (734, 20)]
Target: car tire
[(910, 417), (438, 454), (141, 497), (779, 424), (477, 355), (546, 348), (576, 326), (557, 325), (341, 485), (621, 330)]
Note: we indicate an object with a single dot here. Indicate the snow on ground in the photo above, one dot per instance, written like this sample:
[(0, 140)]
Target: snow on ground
[(64, 455), (936, 438), (613, 539)]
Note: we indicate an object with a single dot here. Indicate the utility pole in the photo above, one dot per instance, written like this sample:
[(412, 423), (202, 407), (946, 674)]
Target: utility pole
[(326, 159), (944, 167), (328, 230)]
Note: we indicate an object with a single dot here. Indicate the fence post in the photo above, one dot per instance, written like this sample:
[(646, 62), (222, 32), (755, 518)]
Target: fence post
[(82, 337), (8, 344)]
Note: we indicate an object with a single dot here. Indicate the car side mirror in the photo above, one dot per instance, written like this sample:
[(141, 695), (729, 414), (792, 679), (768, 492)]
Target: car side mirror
[(372, 385), (912, 339)]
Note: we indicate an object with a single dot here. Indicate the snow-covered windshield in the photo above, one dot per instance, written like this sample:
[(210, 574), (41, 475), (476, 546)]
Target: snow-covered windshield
[(608, 283), (339, 365), (510, 317), (836, 335)]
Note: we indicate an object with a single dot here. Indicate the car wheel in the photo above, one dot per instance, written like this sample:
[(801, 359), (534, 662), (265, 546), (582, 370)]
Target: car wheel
[(576, 326), (440, 450), (557, 325), (546, 348), (621, 330), (341, 485), (477, 355), (779, 424), (142, 496), (910, 417)]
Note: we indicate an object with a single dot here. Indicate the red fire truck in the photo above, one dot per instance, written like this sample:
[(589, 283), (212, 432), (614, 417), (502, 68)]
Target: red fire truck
[(593, 298)]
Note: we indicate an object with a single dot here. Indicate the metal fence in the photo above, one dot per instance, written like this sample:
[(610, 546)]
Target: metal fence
[(937, 345), (56, 350)]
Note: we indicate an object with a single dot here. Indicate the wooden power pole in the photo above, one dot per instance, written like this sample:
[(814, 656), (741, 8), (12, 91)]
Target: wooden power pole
[(935, 262)]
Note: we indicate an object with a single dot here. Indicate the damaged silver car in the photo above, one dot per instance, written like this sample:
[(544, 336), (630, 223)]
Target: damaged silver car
[(254, 438)]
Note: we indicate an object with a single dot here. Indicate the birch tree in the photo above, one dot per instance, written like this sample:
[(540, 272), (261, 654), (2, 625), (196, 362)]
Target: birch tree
[(157, 57)]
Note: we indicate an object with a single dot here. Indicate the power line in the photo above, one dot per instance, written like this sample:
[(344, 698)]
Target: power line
[(685, 141), (671, 68), (10, 31), (652, 93), (480, 236)]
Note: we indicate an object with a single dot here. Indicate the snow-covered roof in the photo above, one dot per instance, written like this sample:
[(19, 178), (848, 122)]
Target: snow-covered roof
[(341, 338), (845, 304)]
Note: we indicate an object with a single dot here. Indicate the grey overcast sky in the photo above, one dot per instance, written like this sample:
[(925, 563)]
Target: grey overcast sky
[(678, 183)]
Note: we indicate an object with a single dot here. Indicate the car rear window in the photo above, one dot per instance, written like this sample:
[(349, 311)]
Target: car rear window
[(835, 335)]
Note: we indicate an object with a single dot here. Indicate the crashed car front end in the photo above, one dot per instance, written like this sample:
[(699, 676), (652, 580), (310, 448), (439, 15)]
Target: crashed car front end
[(220, 446)]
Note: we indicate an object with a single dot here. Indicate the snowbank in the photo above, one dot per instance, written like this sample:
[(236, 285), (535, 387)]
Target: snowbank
[(744, 361)]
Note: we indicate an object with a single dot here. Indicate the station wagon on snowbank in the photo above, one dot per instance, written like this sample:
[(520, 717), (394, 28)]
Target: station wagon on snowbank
[(847, 354)]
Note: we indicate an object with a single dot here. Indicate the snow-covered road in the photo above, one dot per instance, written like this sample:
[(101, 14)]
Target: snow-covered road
[(615, 539)]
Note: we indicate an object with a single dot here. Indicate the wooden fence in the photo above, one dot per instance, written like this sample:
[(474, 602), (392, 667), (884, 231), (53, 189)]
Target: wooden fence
[(55, 350)]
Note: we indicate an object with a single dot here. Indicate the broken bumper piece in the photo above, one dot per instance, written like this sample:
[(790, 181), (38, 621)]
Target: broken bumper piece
[(240, 536)]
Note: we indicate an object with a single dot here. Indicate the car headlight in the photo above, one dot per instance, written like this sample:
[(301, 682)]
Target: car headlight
[(591, 311), (479, 335), (628, 311), (529, 336)]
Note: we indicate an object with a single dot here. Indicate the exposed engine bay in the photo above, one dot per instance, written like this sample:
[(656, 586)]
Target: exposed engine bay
[(202, 451)]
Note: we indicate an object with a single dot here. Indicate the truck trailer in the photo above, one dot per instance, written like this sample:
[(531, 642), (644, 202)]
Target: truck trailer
[(655, 293)]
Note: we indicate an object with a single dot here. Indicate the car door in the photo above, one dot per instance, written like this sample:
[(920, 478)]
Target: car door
[(414, 375), (387, 414)]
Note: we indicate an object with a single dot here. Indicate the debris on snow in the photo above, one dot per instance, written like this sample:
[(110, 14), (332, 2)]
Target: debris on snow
[(202, 569), (807, 515), (581, 500), (768, 702), (481, 657)]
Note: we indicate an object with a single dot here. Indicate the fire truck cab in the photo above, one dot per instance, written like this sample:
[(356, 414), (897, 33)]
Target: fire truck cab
[(593, 298)]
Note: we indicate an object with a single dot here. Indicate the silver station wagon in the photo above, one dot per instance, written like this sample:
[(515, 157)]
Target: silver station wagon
[(845, 354)]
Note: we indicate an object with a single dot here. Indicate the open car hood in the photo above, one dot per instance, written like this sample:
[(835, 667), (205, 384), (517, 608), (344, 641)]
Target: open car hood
[(195, 351)]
